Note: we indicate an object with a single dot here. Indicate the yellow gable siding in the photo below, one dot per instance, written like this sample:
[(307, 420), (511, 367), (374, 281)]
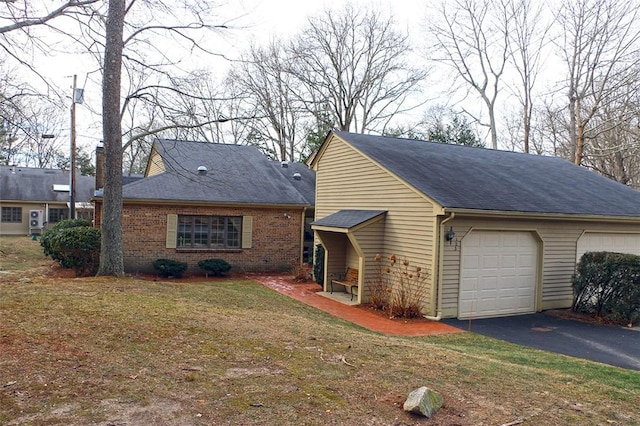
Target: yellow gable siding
[(346, 179), (371, 239), (156, 165), (558, 240)]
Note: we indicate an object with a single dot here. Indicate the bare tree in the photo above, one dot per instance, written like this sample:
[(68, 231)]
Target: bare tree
[(472, 39), (356, 63), (272, 97), (614, 143), (26, 24), (43, 128), (601, 41), (528, 37), (111, 258)]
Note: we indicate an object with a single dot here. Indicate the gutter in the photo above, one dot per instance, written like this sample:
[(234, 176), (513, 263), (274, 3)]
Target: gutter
[(499, 214), (438, 295)]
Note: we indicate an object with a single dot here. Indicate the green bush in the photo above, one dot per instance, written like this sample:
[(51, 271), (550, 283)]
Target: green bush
[(318, 264), (170, 268), (73, 243), (45, 240), (217, 267), (607, 285)]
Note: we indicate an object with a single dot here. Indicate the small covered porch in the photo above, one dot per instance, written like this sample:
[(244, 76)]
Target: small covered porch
[(351, 239)]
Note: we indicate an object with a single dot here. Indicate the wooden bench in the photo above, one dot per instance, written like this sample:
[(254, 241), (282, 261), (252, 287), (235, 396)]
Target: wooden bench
[(349, 281)]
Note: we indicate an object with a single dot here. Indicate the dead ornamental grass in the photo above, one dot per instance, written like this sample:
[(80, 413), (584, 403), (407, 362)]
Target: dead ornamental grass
[(126, 351)]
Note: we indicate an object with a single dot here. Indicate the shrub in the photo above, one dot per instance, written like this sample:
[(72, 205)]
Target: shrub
[(170, 268), (301, 271), (318, 264), (399, 288), (607, 285), (74, 244), (380, 293), (45, 240), (216, 267)]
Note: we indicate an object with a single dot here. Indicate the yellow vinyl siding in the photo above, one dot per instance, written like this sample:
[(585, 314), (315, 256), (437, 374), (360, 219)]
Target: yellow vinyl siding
[(155, 165), (346, 179), (558, 256), (370, 239)]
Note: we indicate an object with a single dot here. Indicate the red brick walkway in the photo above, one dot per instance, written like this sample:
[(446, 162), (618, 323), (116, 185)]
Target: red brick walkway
[(306, 293)]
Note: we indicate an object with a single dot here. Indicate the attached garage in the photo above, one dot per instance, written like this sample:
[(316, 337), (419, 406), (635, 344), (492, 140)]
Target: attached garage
[(499, 274), (498, 232), (606, 241)]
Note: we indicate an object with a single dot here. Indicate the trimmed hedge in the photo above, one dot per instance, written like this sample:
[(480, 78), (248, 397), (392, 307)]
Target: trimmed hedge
[(607, 284), (73, 243), (170, 268), (216, 267)]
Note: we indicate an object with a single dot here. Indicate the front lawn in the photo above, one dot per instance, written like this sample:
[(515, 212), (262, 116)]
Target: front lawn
[(126, 351)]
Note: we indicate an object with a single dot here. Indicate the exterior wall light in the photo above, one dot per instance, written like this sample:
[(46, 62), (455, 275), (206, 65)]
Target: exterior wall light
[(450, 235)]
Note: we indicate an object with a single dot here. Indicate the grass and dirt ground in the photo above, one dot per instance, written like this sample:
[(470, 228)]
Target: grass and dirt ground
[(108, 351)]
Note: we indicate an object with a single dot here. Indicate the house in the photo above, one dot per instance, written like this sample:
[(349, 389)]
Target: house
[(205, 200), (498, 232), (33, 199)]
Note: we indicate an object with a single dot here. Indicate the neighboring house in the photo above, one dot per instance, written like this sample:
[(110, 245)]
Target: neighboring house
[(204, 200), (34, 199), (499, 232)]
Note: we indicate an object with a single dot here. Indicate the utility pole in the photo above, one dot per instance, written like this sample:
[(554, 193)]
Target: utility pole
[(72, 182)]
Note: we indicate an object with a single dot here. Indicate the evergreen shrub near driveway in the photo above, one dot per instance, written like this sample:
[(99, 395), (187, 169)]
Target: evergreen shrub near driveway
[(607, 284), (73, 243)]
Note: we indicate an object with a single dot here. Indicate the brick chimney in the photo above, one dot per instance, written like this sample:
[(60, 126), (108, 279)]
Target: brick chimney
[(100, 166)]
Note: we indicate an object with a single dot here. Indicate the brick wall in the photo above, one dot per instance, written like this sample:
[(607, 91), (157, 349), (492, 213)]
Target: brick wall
[(275, 238)]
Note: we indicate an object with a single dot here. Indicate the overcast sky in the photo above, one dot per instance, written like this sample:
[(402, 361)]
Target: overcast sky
[(248, 20)]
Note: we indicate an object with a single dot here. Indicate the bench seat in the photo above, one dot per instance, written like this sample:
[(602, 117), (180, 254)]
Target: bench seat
[(349, 282)]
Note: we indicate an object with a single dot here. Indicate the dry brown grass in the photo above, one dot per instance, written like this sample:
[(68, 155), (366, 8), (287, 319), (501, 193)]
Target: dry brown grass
[(134, 352)]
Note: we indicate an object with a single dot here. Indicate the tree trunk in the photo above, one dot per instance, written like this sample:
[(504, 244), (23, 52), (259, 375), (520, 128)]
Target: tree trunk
[(579, 145), (111, 257)]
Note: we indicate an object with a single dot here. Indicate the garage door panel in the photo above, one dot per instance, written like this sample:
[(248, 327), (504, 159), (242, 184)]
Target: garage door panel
[(498, 274)]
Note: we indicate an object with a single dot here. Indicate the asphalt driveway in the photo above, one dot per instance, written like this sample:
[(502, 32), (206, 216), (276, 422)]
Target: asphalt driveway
[(611, 345)]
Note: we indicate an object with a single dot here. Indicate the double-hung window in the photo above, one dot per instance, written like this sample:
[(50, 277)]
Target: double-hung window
[(215, 232)]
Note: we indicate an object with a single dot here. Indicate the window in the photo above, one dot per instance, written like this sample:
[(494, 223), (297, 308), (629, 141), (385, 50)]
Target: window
[(217, 232), (12, 214), (56, 215)]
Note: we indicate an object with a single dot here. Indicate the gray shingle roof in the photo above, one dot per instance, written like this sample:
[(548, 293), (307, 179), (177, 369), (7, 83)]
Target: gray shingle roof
[(31, 184), (348, 218), (235, 174), (461, 177)]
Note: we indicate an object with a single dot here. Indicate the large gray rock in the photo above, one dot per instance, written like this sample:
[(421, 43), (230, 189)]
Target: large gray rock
[(423, 401)]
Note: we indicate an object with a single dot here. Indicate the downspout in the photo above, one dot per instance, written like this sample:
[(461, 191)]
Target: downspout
[(438, 297), (304, 213)]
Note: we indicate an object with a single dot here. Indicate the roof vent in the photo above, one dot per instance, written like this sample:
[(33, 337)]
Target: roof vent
[(202, 170), (284, 164), (297, 176)]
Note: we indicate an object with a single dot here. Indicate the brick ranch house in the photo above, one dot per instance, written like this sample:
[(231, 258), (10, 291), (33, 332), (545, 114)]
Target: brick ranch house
[(202, 200)]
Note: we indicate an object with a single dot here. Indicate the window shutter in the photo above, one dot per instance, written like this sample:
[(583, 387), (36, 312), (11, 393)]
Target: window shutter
[(172, 230), (247, 231)]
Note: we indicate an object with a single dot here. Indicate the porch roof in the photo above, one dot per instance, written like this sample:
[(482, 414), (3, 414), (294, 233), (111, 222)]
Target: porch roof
[(347, 219)]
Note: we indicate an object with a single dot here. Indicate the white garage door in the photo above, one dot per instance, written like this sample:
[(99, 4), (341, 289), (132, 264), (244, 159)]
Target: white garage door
[(600, 241), (498, 274)]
